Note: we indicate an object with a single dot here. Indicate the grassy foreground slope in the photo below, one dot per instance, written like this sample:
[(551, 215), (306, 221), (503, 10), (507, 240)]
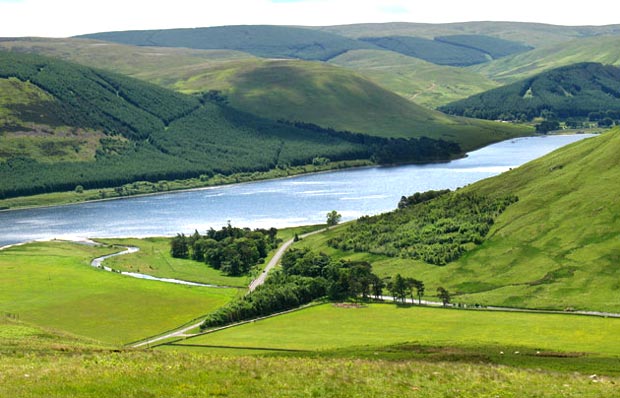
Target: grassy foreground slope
[(53, 285), (66, 369), (555, 248)]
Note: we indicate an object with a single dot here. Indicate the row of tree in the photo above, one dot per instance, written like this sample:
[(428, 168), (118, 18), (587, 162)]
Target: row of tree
[(232, 250), (305, 276)]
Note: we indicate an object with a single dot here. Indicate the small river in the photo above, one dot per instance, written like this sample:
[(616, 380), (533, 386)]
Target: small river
[(274, 203)]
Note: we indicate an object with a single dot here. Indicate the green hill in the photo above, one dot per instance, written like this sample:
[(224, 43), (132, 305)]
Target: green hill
[(573, 91), (263, 41), (294, 90), (422, 82), (602, 49), (65, 125), (555, 247)]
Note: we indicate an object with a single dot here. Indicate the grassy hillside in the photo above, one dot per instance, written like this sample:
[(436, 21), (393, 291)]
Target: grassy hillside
[(554, 248), (422, 82), (531, 34), (602, 49), (60, 366), (336, 98), (570, 91), (263, 41), (53, 285)]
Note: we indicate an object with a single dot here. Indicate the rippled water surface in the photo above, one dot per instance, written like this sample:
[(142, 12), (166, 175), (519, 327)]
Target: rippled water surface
[(279, 203)]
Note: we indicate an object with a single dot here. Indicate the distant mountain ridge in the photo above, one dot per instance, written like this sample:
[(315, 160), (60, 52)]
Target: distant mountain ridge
[(270, 41)]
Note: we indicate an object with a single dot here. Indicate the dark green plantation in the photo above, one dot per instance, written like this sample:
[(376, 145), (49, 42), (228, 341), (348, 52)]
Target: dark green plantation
[(574, 91), (152, 134)]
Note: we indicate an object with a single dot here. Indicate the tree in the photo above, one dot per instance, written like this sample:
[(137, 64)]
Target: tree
[(443, 295), (419, 287), (179, 247), (398, 288), (333, 218)]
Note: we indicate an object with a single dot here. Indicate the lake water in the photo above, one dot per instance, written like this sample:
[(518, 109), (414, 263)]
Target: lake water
[(275, 203)]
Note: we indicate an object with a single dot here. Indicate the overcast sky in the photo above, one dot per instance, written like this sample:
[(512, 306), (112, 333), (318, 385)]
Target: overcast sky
[(62, 18)]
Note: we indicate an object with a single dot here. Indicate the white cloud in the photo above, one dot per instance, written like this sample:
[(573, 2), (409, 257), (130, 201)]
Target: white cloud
[(59, 18)]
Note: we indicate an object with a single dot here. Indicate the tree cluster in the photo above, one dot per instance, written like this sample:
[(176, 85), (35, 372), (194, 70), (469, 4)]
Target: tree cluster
[(436, 231), (305, 276), (232, 250)]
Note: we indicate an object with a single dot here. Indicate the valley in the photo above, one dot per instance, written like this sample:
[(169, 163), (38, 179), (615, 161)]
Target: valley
[(366, 209)]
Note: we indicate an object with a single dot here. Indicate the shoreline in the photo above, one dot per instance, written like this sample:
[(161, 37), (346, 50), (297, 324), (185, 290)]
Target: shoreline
[(207, 187), (337, 166)]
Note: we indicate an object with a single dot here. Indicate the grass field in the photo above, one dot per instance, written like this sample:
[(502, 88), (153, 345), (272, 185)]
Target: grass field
[(330, 326), (52, 285), (36, 362), (154, 259)]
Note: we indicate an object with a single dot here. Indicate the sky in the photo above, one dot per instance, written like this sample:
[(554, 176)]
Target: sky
[(63, 18)]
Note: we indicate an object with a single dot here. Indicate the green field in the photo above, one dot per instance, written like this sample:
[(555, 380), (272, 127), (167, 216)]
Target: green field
[(331, 329), (52, 285), (154, 259), (36, 362)]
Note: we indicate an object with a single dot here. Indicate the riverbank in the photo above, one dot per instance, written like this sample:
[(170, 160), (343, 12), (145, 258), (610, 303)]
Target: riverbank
[(145, 188)]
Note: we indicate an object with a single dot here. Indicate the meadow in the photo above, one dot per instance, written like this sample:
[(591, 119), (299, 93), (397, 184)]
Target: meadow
[(36, 362), (52, 284)]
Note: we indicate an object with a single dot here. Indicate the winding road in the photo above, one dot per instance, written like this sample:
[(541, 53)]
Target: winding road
[(276, 259)]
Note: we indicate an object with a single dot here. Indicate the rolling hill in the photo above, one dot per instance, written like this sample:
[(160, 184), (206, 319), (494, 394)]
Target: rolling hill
[(573, 91), (602, 49), (530, 34), (263, 41), (65, 125), (311, 92), (555, 247), (419, 81)]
